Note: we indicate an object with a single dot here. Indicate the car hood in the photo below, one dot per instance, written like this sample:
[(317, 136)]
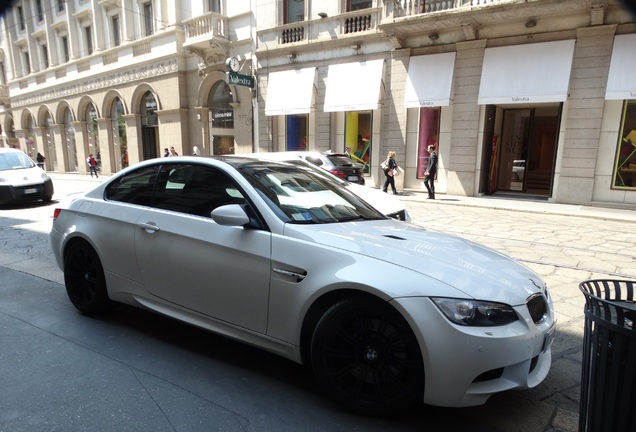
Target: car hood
[(383, 202), (24, 176), (477, 271)]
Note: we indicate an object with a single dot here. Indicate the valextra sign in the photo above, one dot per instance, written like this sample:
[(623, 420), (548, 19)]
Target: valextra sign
[(238, 79)]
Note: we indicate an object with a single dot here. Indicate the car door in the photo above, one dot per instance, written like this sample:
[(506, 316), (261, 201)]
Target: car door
[(187, 259)]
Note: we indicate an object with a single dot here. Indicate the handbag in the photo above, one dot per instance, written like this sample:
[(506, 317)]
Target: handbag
[(396, 172), (384, 165)]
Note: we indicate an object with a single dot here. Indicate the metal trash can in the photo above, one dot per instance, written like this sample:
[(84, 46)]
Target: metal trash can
[(608, 375)]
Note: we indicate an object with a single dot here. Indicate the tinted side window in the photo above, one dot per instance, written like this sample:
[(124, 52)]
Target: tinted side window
[(135, 187), (194, 189)]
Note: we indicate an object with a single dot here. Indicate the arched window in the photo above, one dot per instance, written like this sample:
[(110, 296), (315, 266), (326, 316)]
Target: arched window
[(29, 136), (221, 112), (69, 134), (50, 141), (93, 133), (118, 125), (149, 128), (149, 110)]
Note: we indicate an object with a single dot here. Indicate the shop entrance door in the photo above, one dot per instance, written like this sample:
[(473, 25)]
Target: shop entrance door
[(527, 150)]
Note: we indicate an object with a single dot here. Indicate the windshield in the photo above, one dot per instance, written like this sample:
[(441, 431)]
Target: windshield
[(300, 195), (11, 161)]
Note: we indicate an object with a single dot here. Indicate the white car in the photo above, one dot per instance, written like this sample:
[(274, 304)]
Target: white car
[(386, 314), (21, 180), (385, 203)]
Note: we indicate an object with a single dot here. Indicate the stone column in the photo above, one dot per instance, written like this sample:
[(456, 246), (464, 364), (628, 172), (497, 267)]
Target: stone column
[(574, 179), (462, 161)]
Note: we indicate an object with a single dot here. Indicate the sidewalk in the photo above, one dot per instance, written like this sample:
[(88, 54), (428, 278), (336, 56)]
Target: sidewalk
[(523, 205)]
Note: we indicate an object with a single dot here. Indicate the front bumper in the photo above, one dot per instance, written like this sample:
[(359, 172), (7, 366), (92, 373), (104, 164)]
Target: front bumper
[(464, 365), (12, 194)]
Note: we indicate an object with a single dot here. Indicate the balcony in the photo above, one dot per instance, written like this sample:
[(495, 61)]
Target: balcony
[(342, 27), (205, 29), (416, 7)]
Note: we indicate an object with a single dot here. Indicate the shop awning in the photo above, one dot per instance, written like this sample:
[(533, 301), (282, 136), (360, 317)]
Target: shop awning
[(354, 86), (621, 82), (538, 72), (429, 80), (290, 92)]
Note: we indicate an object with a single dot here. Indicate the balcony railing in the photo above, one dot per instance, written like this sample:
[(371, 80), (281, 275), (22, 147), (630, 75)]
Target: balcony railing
[(357, 24), (294, 34), (345, 24), (205, 27), (416, 7)]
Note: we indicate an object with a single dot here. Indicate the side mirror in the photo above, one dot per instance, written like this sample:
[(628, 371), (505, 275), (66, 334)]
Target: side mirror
[(230, 215)]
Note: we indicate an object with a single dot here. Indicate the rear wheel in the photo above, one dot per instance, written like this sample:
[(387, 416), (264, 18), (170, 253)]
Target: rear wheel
[(365, 355), (84, 279)]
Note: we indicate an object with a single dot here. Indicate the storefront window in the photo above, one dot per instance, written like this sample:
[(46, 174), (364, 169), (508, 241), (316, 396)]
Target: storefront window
[(93, 133), (429, 134), (49, 142), (30, 136), (222, 112), (358, 138), (221, 118), (69, 134), (297, 131), (120, 142), (625, 167)]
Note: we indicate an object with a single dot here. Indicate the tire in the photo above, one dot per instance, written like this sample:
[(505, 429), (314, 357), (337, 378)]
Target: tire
[(85, 281), (366, 356)]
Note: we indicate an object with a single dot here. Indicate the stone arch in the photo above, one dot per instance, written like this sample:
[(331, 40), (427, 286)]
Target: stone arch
[(25, 116), (83, 104), (41, 116), (61, 111), (206, 87), (139, 93), (109, 98)]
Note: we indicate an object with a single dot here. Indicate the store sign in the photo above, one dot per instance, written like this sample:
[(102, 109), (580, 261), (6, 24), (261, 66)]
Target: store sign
[(239, 79)]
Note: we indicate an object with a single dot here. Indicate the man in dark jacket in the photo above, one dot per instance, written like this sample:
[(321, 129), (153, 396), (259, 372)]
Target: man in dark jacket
[(431, 170)]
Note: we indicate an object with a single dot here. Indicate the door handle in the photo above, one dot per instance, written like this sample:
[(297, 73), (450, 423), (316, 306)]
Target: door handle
[(149, 227)]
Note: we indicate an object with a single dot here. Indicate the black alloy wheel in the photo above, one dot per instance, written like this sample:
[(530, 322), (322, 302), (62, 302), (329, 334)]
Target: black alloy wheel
[(84, 279), (366, 356)]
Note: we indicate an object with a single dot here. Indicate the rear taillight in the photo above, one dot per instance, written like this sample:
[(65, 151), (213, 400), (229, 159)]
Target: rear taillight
[(338, 173), (56, 213)]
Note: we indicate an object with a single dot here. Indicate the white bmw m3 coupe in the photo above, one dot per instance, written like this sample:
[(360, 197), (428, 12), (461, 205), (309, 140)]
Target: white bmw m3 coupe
[(385, 313)]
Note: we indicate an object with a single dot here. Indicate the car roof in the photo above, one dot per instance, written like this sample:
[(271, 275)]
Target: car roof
[(9, 150)]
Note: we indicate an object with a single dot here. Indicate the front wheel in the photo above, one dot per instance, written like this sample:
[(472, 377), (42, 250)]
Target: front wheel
[(84, 279), (366, 356)]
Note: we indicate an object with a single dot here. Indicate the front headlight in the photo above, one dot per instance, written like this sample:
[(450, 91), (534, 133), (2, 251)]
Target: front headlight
[(475, 312)]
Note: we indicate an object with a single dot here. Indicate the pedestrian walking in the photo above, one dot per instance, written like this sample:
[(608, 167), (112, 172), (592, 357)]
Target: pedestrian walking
[(195, 151), (389, 172), (40, 160), (92, 165), (166, 152), (431, 171), (173, 152)]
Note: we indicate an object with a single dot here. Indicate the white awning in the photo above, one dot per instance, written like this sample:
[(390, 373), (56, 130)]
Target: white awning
[(538, 72), (621, 82), (429, 80), (290, 92), (354, 86)]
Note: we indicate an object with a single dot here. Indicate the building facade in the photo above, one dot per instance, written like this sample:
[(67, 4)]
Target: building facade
[(525, 98)]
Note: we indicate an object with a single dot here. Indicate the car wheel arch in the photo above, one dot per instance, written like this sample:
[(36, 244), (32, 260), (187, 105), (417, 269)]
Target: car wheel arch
[(320, 306), (391, 344)]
